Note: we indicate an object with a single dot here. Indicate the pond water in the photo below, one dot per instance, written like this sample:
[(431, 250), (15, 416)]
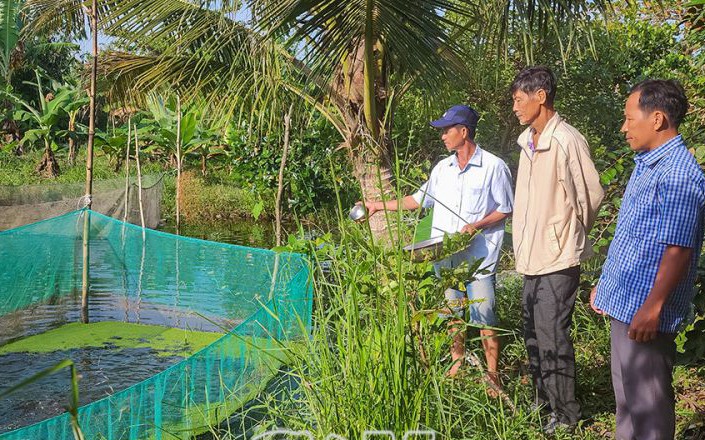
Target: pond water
[(102, 372), (101, 363), (102, 366), (246, 232)]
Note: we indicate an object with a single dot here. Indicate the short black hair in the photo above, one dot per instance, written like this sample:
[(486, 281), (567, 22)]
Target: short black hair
[(666, 95), (533, 79)]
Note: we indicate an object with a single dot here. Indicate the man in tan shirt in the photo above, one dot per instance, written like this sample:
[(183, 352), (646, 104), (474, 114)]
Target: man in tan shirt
[(558, 194)]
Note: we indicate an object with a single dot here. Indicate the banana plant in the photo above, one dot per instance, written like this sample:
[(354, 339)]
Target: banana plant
[(196, 135), (45, 118), (113, 144), (206, 144), (78, 104), (11, 47)]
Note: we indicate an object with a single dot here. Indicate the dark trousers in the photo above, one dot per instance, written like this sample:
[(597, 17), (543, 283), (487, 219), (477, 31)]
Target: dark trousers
[(642, 374), (548, 302)]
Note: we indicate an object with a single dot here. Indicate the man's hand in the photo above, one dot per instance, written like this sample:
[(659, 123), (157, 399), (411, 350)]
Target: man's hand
[(593, 294), (371, 207), (644, 326), (468, 229)]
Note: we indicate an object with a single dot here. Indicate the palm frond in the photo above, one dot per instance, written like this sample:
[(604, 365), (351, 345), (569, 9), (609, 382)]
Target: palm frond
[(204, 53), (415, 36), (56, 17)]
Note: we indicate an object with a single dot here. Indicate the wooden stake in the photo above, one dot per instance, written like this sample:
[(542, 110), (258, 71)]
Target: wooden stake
[(127, 169), (92, 92), (280, 188), (86, 262)]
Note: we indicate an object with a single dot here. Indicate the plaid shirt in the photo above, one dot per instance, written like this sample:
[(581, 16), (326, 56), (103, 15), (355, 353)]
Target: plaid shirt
[(663, 205)]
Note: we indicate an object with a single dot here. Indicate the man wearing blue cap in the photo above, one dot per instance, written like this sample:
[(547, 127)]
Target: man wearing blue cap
[(470, 191)]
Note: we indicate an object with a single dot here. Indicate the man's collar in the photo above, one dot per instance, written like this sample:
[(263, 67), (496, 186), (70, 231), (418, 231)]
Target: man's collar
[(546, 135), (649, 158), (475, 160)]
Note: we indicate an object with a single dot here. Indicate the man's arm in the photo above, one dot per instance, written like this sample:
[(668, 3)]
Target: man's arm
[(586, 181), (675, 263), (681, 200), (491, 218), (407, 202), (422, 197)]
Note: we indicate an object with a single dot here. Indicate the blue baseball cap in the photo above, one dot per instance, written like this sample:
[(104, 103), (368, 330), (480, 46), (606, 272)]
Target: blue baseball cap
[(458, 114)]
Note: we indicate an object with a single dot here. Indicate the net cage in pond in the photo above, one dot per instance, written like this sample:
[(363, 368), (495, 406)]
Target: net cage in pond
[(256, 303), (118, 198)]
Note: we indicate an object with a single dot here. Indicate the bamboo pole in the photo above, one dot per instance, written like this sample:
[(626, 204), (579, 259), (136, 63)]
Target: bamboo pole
[(91, 117), (280, 188), (138, 304), (144, 234), (139, 181), (178, 163), (86, 261), (89, 164)]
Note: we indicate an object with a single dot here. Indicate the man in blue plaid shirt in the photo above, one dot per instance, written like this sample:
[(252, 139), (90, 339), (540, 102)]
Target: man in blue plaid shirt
[(646, 287)]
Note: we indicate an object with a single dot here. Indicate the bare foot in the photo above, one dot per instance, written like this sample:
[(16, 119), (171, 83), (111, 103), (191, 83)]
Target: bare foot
[(494, 385), (457, 363)]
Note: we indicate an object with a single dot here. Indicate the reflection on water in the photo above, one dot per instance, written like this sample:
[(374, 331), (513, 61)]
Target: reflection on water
[(259, 234), (102, 371)]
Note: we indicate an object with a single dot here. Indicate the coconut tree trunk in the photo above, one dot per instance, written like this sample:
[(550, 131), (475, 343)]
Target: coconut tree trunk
[(373, 172), (48, 167), (361, 88)]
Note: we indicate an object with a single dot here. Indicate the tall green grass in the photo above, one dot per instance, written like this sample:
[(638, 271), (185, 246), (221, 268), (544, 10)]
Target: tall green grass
[(377, 358)]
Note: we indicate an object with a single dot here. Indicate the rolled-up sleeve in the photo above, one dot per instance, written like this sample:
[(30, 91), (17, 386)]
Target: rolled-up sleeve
[(424, 196), (681, 200), (501, 188)]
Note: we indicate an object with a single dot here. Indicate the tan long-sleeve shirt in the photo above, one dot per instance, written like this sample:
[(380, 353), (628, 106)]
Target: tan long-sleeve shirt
[(558, 194)]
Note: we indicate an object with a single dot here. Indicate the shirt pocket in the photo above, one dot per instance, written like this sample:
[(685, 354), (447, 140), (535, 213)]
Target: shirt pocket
[(643, 215), (473, 201)]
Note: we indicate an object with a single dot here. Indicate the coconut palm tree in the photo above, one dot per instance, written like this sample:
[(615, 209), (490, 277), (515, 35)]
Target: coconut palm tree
[(352, 60)]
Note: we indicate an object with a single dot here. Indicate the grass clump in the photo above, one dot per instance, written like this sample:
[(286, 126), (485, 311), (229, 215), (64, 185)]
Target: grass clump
[(205, 202), (377, 356)]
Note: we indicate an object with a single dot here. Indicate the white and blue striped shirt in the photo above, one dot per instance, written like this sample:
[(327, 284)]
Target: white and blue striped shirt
[(664, 204)]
